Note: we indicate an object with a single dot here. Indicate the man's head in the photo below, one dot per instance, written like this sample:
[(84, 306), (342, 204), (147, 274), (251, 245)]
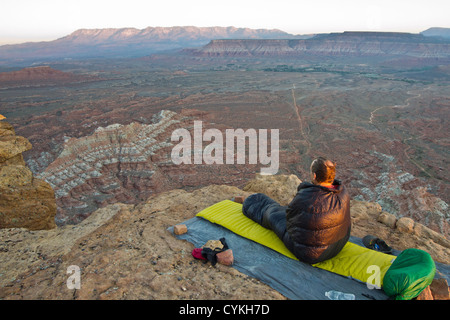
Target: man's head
[(322, 171)]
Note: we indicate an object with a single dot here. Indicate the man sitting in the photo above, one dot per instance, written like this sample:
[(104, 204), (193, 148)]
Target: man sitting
[(316, 225)]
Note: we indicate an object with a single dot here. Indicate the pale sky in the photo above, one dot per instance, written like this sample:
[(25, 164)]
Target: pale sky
[(44, 20)]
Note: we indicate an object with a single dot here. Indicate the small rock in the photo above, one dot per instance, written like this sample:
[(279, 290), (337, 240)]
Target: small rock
[(239, 199), (157, 284), (179, 229), (405, 225), (439, 289), (387, 219), (376, 207), (225, 257), (359, 211)]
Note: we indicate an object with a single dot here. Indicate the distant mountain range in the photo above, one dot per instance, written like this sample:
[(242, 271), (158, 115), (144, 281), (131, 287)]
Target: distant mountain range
[(131, 42), (128, 42)]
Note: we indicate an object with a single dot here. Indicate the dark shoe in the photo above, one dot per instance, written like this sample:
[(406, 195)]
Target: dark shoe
[(376, 244)]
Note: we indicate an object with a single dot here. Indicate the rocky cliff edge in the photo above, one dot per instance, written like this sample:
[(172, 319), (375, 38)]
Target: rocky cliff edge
[(124, 251), (25, 202)]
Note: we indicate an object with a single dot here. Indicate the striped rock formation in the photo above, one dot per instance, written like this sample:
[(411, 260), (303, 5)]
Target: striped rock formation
[(115, 163)]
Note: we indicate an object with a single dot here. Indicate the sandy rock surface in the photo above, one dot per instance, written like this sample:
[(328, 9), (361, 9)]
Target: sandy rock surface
[(125, 252)]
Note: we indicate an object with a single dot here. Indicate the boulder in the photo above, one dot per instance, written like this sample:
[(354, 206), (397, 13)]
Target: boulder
[(25, 202), (6, 129), (11, 146), (388, 219), (405, 225)]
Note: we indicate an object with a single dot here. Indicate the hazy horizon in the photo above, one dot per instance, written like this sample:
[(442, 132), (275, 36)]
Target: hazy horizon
[(47, 20), (21, 41)]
